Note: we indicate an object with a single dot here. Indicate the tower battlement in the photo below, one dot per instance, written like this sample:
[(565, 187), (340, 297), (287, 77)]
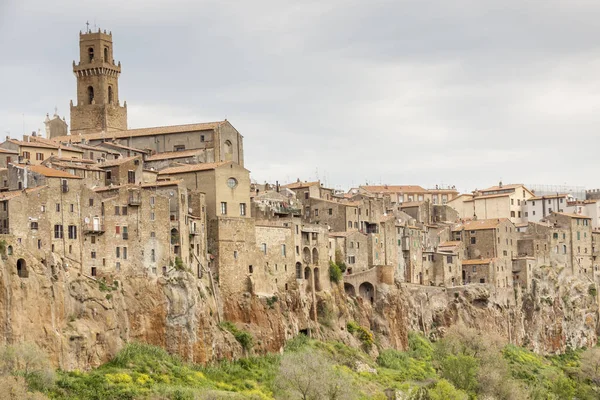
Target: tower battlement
[(98, 107)]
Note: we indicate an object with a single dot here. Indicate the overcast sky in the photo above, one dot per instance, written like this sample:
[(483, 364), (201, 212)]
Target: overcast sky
[(458, 92)]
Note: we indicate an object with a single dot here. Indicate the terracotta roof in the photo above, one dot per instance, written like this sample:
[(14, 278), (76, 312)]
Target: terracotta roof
[(552, 196), (572, 215), (192, 168), (119, 146), (17, 193), (480, 224), (450, 244), (409, 204), (174, 154), (50, 172), (7, 151), (75, 160), (95, 148), (33, 144), (118, 161), (300, 185), (503, 187), (483, 261), (461, 195), (489, 196), (159, 130), (394, 189), (75, 166), (108, 188), (160, 184)]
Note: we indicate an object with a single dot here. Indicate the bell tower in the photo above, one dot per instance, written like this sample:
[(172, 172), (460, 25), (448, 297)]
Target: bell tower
[(98, 107)]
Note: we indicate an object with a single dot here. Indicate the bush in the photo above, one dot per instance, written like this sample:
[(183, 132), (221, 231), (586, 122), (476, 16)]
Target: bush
[(363, 334), (335, 273), (461, 370), (444, 390), (592, 291), (243, 337)]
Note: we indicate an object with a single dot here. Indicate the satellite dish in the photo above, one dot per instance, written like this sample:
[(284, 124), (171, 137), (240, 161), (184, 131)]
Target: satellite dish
[(87, 220)]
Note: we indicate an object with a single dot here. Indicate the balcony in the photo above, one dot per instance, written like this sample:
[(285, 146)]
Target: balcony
[(93, 228), (134, 200)]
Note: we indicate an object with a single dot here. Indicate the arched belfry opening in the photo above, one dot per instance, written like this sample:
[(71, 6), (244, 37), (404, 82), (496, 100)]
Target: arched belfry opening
[(106, 54), (110, 95), (91, 54), (90, 93)]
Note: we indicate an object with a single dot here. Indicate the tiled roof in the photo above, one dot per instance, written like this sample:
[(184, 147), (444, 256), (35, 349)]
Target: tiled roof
[(103, 145), (17, 193), (160, 184), (483, 261), (95, 148), (51, 172), (86, 167), (32, 144), (489, 196), (503, 187), (450, 244), (394, 189), (192, 168), (572, 215), (300, 185), (408, 204), (480, 224), (174, 154), (552, 196), (7, 151), (118, 161), (108, 188), (159, 130)]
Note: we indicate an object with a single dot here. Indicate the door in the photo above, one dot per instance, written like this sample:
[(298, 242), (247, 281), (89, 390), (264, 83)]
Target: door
[(96, 224)]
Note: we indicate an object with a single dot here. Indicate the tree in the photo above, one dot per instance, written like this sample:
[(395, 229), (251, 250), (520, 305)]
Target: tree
[(461, 370), (444, 390), (308, 375), (590, 365), (28, 361)]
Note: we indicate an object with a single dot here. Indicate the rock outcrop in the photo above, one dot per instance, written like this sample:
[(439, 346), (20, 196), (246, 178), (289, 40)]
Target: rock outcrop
[(82, 321)]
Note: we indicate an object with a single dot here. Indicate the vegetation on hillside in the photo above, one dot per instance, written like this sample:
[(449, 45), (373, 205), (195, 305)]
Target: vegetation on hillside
[(465, 365)]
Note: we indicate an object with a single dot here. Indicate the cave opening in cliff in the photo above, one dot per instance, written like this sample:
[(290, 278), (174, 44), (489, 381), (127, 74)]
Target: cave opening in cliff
[(22, 268)]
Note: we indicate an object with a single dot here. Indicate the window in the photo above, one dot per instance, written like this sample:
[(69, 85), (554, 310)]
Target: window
[(125, 234), (242, 209), (152, 216), (316, 212), (473, 240), (505, 253), (57, 207), (232, 182), (512, 202), (519, 214), (235, 254), (449, 259), (152, 234), (118, 252), (108, 175), (518, 202), (34, 225), (39, 243), (117, 229), (179, 147), (90, 92), (297, 250), (124, 210), (39, 156), (58, 231), (263, 248), (349, 224), (91, 202), (124, 253), (305, 195), (117, 210), (202, 138), (71, 207), (512, 214), (93, 254), (283, 250), (152, 255), (93, 239), (26, 155), (130, 176), (110, 93), (118, 266), (351, 259), (330, 211), (533, 212), (223, 208), (578, 235), (474, 268), (152, 199), (72, 232)]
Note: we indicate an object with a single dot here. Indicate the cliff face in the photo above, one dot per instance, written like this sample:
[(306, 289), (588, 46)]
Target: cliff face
[(82, 322)]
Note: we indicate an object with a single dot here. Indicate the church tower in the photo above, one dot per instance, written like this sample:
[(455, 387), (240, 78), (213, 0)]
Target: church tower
[(98, 107)]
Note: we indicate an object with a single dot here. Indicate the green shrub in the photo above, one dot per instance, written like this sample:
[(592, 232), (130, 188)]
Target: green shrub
[(363, 334), (271, 301), (461, 370), (592, 291), (179, 265), (335, 273), (243, 337)]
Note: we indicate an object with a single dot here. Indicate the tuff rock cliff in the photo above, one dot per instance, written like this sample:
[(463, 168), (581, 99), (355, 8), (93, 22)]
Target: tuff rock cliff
[(82, 321)]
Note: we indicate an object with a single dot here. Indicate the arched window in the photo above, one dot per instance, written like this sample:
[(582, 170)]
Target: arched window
[(110, 95), (91, 54), (228, 149), (90, 92), (315, 256), (317, 276), (22, 268), (174, 236), (298, 270), (349, 224), (106, 54)]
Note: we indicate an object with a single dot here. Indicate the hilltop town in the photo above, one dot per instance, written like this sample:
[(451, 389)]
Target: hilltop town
[(97, 201)]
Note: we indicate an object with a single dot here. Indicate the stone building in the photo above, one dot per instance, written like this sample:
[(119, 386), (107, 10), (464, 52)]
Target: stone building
[(577, 237), (98, 107), (34, 151)]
